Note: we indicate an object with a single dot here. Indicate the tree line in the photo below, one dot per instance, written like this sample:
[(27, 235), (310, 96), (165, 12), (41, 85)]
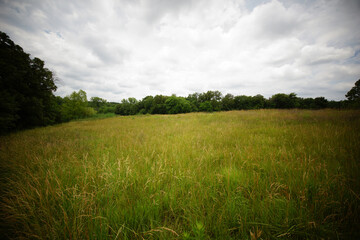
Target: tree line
[(27, 97), (212, 101)]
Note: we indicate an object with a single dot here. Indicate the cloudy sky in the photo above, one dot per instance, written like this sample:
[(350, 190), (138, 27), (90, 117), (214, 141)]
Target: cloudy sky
[(134, 48)]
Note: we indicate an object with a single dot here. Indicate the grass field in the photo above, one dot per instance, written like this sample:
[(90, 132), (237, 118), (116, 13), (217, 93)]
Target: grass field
[(262, 174)]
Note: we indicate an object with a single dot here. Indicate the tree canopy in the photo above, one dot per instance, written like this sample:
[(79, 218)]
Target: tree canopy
[(26, 95), (354, 93)]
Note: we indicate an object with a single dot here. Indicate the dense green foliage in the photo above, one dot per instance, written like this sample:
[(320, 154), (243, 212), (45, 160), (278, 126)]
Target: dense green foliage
[(75, 106), (274, 174), (26, 89), (354, 95), (176, 105), (211, 101)]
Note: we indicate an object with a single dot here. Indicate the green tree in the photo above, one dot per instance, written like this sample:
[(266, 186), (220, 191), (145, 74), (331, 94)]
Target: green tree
[(282, 100), (320, 102), (214, 97), (27, 87), (206, 107), (242, 102), (146, 104), (159, 105), (176, 105), (97, 103), (75, 106), (354, 93), (194, 101), (258, 102), (127, 107), (306, 103), (228, 102)]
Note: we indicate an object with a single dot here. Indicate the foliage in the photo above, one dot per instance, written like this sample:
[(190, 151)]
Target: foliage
[(127, 107), (258, 102), (206, 107), (146, 105), (211, 101), (176, 105), (228, 102), (213, 97), (194, 101), (242, 102), (26, 89), (159, 105), (75, 106), (354, 93), (282, 100), (353, 96), (97, 103), (311, 103)]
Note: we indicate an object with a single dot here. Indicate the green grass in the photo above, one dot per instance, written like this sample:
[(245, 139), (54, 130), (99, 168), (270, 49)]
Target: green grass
[(262, 174), (97, 116)]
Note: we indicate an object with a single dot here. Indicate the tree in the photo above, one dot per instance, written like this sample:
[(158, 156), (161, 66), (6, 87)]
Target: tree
[(214, 97), (354, 93), (159, 105), (146, 104), (206, 107), (75, 106), (194, 101), (320, 102), (282, 100), (27, 87), (228, 102), (176, 105), (97, 103), (258, 101), (306, 103), (127, 107), (242, 102)]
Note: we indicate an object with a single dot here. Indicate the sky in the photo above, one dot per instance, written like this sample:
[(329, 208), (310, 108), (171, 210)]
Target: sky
[(135, 48)]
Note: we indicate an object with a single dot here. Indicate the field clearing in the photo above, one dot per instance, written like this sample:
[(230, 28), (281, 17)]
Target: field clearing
[(261, 174)]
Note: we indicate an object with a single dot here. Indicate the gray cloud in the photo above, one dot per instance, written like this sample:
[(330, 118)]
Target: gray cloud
[(119, 49)]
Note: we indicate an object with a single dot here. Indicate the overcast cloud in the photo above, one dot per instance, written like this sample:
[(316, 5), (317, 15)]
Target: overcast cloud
[(134, 48)]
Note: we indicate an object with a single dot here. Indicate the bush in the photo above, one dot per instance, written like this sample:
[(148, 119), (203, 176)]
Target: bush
[(206, 107), (176, 105)]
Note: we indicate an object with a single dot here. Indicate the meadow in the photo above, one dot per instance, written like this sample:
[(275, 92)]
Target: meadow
[(259, 174)]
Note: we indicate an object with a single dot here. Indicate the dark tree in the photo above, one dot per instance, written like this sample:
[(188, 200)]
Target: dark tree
[(206, 107), (228, 102), (258, 102), (354, 93), (306, 103), (194, 101), (128, 106), (27, 88), (282, 100), (159, 105), (146, 104), (320, 102), (97, 103), (214, 97), (176, 105), (242, 102)]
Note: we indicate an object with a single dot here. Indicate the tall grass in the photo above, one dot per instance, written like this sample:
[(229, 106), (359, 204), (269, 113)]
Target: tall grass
[(264, 174)]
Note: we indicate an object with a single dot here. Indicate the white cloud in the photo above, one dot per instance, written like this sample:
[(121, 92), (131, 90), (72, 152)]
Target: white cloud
[(320, 54), (119, 49)]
